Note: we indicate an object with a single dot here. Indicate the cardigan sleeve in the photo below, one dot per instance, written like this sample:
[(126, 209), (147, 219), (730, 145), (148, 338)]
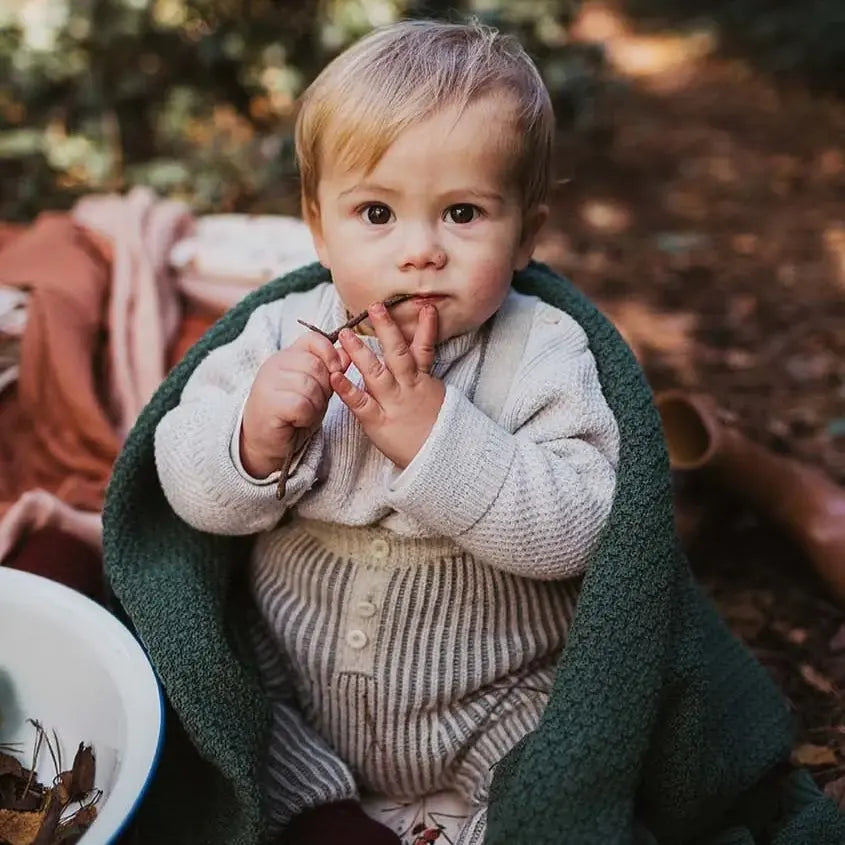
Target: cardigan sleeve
[(196, 443), (529, 495)]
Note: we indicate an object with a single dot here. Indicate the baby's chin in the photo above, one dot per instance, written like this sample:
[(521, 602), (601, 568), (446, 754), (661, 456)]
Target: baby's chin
[(446, 330)]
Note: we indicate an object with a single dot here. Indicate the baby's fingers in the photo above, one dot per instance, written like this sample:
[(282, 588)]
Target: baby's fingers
[(320, 346), (345, 360), (299, 368), (378, 379), (397, 353), (362, 405), (425, 337), (298, 409)]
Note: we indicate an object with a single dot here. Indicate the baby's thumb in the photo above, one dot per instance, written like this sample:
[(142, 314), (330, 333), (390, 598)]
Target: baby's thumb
[(345, 360)]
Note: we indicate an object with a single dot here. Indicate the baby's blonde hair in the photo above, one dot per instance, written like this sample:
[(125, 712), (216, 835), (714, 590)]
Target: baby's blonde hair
[(402, 74)]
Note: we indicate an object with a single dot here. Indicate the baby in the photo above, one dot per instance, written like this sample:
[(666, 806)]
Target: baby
[(449, 466)]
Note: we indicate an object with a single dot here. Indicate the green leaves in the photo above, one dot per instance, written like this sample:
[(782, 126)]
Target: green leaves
[(196, 97)]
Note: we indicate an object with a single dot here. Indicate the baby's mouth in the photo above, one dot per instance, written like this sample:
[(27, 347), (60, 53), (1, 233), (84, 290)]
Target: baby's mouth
[(428, 298)]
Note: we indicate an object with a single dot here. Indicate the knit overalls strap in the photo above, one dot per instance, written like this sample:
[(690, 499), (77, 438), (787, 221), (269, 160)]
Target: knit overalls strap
[(508, 336)]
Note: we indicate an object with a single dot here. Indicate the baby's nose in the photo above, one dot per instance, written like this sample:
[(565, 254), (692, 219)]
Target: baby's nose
[(421, 251)]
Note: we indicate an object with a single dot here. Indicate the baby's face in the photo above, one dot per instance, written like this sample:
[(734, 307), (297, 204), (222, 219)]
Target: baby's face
[(440, 216)]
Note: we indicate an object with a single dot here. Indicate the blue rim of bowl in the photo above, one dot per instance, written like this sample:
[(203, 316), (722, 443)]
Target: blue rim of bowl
[(130, 814)]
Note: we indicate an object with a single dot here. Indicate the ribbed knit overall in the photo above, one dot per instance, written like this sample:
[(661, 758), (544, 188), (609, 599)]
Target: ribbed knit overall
[(402, 709)]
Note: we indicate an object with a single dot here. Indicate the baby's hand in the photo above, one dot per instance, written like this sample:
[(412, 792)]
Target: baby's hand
[(401, 402), (287, 402)]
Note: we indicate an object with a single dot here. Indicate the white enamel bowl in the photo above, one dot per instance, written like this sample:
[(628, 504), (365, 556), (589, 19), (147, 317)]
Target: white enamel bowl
[(74, 667)]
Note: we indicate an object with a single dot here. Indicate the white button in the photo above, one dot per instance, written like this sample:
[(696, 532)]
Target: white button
[(550, 317), (356, 639), (380, 548), (366, 609)]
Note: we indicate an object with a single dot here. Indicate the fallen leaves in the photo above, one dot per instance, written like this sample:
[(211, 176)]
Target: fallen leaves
[(837, 641), (9, 765), (817, 680), (813, 755), (82, 773), (794, 636), (18, 828), (721, 286), (34, 814), (836, 790)]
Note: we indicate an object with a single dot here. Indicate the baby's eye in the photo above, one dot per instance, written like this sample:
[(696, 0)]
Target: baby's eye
[(376, 213), (463, 212)]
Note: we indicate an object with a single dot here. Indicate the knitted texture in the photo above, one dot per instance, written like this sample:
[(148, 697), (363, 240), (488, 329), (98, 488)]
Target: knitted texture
[(661, 727), (553, 482)]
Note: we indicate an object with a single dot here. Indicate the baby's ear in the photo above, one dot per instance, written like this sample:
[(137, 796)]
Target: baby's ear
[(311, 215), (532, 222)]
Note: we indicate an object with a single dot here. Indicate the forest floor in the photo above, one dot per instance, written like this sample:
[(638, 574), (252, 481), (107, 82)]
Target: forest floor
[(704, 211)]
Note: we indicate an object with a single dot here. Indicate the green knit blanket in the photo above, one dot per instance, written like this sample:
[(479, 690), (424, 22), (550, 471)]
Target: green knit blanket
[(661, 727)]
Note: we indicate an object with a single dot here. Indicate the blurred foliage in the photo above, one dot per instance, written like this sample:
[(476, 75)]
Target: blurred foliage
[(196, 97), (790, 38)]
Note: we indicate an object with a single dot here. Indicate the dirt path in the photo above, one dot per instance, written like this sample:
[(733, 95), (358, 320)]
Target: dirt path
[(707, 218)]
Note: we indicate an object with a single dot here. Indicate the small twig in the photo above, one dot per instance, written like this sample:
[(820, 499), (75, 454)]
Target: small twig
[(52, 753), (50, 822), (358, 318), (332, 337), (94, 796), (39, 736), (60, 767), (284, 469)]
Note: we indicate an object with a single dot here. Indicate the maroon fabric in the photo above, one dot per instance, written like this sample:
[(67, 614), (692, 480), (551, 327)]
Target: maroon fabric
[(341, 822), (195, 323), (62, 557), (56, 431)]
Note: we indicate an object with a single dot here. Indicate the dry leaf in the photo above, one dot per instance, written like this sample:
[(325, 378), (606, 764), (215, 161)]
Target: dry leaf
[(739, 359), (797, 636), (35, 817), (82, 773), (816, 680), (836, 790), (32, 800), (52, 814), (837, 642), (77, 824), (744, 614), (813, 755), (20, 828), (63, 785), (10, 766), (83, 817)]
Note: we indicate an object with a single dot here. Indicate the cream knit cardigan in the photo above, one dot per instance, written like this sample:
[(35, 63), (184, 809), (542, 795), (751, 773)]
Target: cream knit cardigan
[(528, 494)]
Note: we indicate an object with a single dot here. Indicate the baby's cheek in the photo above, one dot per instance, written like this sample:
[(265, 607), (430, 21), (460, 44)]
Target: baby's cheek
[(489, 282), (355, 290)]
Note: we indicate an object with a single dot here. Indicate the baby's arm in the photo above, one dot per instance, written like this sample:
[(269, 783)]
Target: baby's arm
[(244, 409), (531, 495)]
